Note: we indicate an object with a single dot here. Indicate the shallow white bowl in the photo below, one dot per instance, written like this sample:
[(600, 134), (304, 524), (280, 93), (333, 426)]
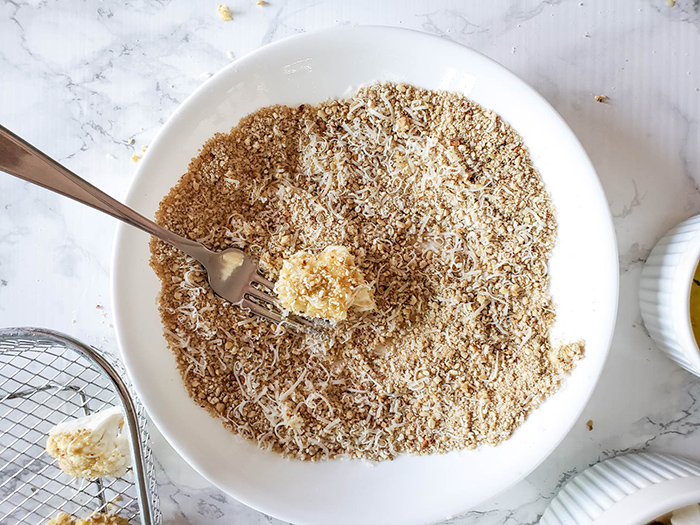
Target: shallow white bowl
[(584, 276), (664, 293), (634, 488)]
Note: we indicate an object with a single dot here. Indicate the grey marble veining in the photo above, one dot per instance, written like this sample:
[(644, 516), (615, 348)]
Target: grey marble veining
[(90, 82)]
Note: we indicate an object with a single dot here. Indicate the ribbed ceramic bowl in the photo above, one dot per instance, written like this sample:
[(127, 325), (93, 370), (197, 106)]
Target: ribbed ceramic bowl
[(664, 293), (634, 488)]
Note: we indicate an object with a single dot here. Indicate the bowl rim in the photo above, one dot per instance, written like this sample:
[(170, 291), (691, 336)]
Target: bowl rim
[(607, 236)]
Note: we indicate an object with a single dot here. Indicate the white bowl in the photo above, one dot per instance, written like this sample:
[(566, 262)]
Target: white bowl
[(634, 488), (664, 293), (584, 281)]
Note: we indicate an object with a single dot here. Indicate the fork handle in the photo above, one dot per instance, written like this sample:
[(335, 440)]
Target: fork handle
[(21, 159)]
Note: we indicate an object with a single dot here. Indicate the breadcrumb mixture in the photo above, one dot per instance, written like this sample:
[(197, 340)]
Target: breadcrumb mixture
[(450, 224)]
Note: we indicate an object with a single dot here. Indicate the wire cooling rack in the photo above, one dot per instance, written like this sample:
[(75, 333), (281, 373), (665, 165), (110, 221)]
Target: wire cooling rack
[(47, 378)]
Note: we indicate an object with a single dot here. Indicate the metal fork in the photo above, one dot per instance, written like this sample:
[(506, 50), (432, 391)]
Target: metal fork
[(22, 160)]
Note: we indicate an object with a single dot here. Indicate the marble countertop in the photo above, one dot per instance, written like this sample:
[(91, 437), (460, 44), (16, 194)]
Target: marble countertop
[(90, 82)]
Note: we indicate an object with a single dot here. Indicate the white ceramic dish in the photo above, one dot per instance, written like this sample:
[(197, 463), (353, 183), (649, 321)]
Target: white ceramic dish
[(664, 293), (634, 488), (584, 278)]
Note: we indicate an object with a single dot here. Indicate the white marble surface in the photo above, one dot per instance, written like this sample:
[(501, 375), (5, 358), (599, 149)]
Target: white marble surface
[(80, 79)]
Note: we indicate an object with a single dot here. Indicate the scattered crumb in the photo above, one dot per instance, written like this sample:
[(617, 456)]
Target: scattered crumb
[(261, 2), (99, 306), (110, 156), (586, 35), (601, 98), (589, 424), (135, 158), (224, 13), (230, 55), (670, 3), (130, 141), (97, 518), (512, 49), (143, 150)]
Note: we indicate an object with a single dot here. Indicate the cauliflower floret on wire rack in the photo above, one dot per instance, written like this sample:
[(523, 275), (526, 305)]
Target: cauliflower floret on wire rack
[(324, 285), (93, 446), (98, 518)]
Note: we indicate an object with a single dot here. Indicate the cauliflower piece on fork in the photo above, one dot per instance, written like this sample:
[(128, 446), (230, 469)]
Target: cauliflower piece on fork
[(93, 446)]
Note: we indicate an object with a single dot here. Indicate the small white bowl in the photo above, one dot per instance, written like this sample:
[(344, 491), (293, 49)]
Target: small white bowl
[(634, 488), (664, 293)]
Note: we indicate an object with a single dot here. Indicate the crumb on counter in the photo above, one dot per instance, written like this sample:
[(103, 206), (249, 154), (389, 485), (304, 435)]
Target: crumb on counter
[(670, 3), (601, 98), (135, 158), (589, 424), (224, 13), (261, 2), (130, 141)]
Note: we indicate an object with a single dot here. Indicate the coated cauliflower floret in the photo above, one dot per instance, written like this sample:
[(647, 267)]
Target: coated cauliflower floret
[(93, 446), (62, 519), (98, 518), (324, 285)]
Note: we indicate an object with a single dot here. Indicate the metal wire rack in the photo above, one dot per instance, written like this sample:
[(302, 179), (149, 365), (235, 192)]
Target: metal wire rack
[(46, 378)]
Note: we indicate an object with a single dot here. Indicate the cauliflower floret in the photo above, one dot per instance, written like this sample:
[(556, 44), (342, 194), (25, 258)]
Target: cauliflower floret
[(62, 519), (93, 446), (324, 285), (97, 518)]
